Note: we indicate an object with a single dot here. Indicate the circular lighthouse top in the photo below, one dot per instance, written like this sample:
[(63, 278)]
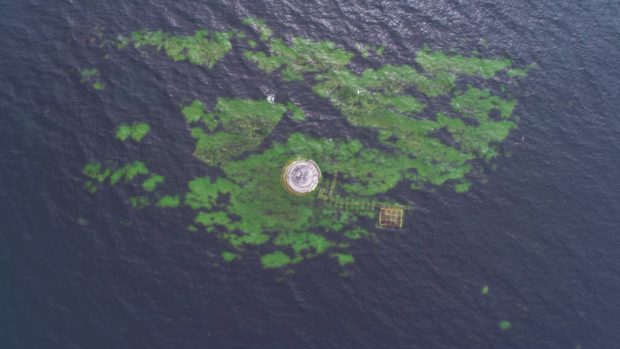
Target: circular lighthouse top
[(301, 176)]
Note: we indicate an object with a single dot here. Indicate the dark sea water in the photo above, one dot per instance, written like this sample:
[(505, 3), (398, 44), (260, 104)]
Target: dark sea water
[(542, 229)]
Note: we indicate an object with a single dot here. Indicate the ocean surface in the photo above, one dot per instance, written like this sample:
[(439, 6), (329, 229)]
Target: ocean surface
[(540, 228)]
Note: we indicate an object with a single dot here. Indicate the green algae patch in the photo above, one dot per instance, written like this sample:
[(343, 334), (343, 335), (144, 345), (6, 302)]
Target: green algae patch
[(210, 220), (479, 103), (307, 244), (90, 187), (88, 73), (363, 49), (520, 72), (123, 132), (95, 171), (134, 169), (230, 256), (437, 62), (276, 259), (357, 233), (377, 100), (504, 325), (344, 259), (121, 42), (239, 199), (99, 86), (371, 101), (127, 172), (169, 201), (462, 187), (260, 26), (296, 113), (517, 73), (203, 48), (150, 183), (135, 132), (265, 210), (139, 202), (484, 290), (297, 57), (140, 130), (242, 125), (92, 76)]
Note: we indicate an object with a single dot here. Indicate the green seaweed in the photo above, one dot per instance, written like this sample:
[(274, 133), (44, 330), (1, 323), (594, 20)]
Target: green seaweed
[(229, 256), (92, 75), (435, 62), (90, 187), (128, 172), (203, 48), (88, 73), (140, 130), (245, 205), (123, 132), (516, 73), (363, 49), (484, 290), (298, 57), (98, 85), (121, 42), (462, 187), (344, 259), (139, 202), (95, 171), (134, 169), (357, 233), (243, 125), (307, 244), (520, 72), (276, 259), (150, 183), (260, 26), (504, 325), (135, 132), (296, 113), (169, 201)]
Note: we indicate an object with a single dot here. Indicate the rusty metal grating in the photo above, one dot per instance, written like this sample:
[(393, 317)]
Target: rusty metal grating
[(391, 217)]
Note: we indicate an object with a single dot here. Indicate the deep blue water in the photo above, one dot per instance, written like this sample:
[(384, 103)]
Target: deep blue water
[(78, 271)]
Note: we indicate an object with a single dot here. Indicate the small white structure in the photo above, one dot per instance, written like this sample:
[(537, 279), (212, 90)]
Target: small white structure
[(301, 176)]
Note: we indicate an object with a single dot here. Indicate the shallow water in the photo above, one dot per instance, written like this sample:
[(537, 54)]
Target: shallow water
[(540, 230)]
